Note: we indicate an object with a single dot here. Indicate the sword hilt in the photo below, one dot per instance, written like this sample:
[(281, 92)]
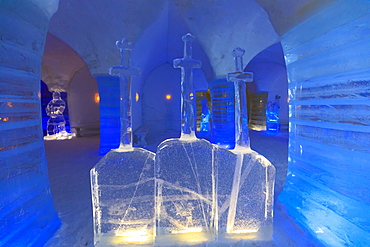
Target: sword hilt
[(125, 48), (188, 49), (238, 58)]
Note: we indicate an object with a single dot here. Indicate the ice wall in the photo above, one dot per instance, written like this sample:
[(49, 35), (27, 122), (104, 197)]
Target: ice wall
[(328, 64), (27, 214)]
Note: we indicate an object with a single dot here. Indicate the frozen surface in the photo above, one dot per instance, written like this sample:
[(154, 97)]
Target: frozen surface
[(123, 198), (245, 195), (186, 200)]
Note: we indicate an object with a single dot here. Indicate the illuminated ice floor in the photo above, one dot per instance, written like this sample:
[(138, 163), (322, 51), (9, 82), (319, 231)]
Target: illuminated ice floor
[(70, 161)]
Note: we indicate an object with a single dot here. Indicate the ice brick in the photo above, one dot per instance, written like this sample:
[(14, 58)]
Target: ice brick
[(186, 198), (123, 198)]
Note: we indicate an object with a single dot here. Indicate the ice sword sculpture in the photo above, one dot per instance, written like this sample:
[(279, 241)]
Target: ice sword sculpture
[(125, 72), (251, 197), (239, 77), (185, 172), (187, 64), (123, 180)]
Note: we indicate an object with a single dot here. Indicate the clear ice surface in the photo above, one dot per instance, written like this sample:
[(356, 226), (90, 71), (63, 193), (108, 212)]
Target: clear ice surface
[(185, 197), (123, 198)]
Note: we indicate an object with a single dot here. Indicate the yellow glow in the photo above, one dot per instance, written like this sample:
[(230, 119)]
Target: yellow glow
[(191, 95), (137, 97), (244, 231), (97, 98), (188, 230), (5, 119), (168, 96), (191, 235), (133, 236)]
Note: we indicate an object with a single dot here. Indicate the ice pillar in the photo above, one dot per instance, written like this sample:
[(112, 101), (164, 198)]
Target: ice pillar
[(27, 214), (328, 61), (109, 113)]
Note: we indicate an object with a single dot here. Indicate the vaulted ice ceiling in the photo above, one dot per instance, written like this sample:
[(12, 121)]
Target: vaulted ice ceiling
[(91, 27)]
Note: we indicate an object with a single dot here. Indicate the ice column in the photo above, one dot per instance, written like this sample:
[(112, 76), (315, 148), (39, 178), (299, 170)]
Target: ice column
[(185, 173), (123, 180), (27, 213), (245, 178)]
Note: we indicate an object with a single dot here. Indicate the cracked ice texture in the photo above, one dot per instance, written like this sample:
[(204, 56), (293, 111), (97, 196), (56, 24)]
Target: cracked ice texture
[(185, 190), (245, 190), (123, 196)]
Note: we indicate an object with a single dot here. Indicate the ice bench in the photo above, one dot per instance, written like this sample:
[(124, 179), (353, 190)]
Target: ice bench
[(140, 135), (86, 128)]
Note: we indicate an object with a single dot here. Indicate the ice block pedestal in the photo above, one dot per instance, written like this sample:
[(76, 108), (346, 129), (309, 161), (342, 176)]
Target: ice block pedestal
[(245, 178), (185, 173), (123, 180)]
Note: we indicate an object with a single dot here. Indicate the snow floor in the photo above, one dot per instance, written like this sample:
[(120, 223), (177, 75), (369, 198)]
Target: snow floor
[(70, 161)]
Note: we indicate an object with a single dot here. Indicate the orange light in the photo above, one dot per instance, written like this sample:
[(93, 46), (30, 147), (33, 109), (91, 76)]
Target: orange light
[(9, 104), (168, 96), (191, 96), (97, 98), (136, 97)]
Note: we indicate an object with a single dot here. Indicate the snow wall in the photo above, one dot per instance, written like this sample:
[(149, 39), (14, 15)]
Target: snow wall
[(27, 214), (328, 65)]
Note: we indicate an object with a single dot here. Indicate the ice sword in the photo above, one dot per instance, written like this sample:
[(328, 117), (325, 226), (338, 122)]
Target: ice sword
[(125, 72), (239, 77), (242, 144), (187, 64)]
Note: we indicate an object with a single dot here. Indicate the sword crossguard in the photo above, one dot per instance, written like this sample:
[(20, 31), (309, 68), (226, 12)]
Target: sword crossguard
[(239, 74)]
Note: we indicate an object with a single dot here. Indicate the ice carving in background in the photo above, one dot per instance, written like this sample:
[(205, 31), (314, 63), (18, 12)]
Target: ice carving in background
[(123, 180), (205, 117), (245, 178), (272, 116), (56, 125), (185, 173)]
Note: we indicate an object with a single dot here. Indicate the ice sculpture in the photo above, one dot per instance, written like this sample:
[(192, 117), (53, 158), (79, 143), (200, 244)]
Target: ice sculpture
[(186, 206), (205, 117), (123, 180), (245, 178), (272, 116), (56, 125)]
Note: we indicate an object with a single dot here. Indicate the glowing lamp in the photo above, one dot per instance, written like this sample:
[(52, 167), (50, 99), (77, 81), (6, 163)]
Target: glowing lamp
[(97, 98), (136, 97), (168, 96)]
